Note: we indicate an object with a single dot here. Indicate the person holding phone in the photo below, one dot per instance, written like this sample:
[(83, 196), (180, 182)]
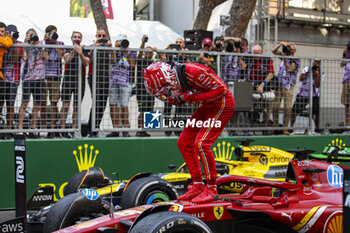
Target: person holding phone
[(102, 77), (71, 80)]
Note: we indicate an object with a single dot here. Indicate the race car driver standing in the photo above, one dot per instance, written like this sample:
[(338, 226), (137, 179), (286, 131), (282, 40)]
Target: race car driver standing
[(197, 84)]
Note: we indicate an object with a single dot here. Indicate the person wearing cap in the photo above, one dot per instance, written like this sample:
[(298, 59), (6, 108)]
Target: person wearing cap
[(33, 79), (195, 84), (53, 77), (206, 58), (12, 67), (120, 84), (102, 61)]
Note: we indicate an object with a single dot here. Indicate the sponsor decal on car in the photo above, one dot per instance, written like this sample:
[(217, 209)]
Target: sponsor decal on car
[(335, 176), (198, 215), (42, 198), (263, 159), (91, 194), (334, 223), (218, 212), (86, 224)]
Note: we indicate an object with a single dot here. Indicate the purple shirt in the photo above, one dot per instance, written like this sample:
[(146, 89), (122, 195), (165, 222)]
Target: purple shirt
[(346, 75), (121, 69), (305, 85), (285, 78), (53, 65), (231, 68)]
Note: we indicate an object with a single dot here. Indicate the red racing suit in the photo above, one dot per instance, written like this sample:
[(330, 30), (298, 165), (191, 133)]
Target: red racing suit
[(216, 108)]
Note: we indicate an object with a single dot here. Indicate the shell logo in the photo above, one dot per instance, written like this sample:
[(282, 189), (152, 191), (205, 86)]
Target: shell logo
[(334, 223)]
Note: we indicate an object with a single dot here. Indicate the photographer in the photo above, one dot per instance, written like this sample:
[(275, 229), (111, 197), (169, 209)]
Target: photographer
[(102, 78), (261, 73), (179, 45), (345, 96), (53, 76), (234, 66), (287, 76), (11, 67), (206, 58), (218, 45), (303, 96), (34, 79), (120, 84), (71, 80)]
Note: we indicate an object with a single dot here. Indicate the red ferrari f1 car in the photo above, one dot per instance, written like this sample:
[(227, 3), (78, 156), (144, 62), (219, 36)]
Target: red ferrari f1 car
[(310, 200)]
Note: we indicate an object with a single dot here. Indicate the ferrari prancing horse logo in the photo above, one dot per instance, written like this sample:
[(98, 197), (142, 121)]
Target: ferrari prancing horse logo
[(218, 212)]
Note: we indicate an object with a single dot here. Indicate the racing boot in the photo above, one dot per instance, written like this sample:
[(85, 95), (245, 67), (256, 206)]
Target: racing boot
[(194, 190), (209, 193)]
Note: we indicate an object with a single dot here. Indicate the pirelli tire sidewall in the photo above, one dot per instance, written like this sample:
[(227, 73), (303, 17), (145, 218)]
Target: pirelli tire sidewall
[(169, 221), (147, 190)]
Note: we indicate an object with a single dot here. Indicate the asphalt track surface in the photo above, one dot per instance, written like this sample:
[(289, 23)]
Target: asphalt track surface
[(6, 215)]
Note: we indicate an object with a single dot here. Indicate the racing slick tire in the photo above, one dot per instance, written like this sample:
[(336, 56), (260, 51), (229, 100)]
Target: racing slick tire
[(95, 178), (74, 183), (169, 221), (147, 190), (70, 209)]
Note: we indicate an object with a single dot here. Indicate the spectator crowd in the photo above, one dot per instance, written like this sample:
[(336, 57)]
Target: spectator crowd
[(52, 74)]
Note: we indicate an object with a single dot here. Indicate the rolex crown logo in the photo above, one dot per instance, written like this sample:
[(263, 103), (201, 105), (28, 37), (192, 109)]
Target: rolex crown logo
[(338, 143), (223, 151), (85, 160)]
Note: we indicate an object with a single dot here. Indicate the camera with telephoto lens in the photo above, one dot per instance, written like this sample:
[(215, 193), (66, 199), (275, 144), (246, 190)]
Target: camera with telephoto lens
[(286, 49), (218, 45), (268, 96), (53, 36), (229, 47), (33, 38), (238, 44), (124, 43), (14, 35)]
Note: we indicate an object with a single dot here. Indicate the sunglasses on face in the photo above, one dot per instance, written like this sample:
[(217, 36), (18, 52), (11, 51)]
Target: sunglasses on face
[(101, 35)]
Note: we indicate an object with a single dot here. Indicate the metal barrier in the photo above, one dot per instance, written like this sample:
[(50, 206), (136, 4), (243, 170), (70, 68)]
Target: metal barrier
[(52, 95)]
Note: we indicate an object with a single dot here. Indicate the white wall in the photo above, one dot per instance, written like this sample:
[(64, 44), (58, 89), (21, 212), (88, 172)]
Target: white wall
[(40, 13), (178, 15)]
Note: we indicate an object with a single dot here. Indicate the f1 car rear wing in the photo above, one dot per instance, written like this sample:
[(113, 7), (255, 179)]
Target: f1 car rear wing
[(333, 154)]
